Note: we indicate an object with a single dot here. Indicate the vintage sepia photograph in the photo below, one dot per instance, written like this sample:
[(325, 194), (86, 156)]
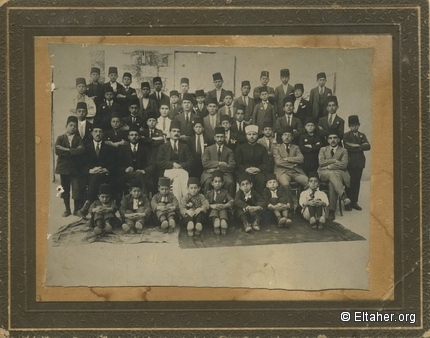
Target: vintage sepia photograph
[(206, 166)]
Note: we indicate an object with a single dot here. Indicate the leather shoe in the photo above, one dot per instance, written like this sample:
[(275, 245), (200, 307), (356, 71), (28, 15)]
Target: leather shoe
[(348, 207), (356, 206), (331, 215)]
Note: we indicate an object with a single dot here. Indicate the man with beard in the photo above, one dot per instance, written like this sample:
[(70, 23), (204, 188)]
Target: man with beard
[(253, 158)]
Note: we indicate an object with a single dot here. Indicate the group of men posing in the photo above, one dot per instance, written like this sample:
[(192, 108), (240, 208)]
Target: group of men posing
[(127, 135)]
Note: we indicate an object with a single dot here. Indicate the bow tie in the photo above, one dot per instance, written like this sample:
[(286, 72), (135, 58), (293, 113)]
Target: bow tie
[(248, 196)]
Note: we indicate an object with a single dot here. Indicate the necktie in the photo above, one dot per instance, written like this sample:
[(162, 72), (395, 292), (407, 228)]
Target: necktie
[(288, 149), (240, 127), (288, 121), (330, 120), (159, 95), (175, 147), (219, 153), (213, 122), (245, 99), (187, 119), (356, 134), (226, 138), (133, 120), (174, 106), (215, 196), (199, 146), (98, 149), (332, 152), (229, 111), (312, 195), (270, 146), (321, 91), (150, 133), (82, 131), (265, 105), (134, 149), (164, 123)]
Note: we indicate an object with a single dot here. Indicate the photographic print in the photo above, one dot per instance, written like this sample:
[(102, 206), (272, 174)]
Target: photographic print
[(210, 166)]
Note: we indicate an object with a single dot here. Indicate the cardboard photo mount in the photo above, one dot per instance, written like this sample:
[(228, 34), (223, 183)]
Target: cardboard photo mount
[(398, 239)]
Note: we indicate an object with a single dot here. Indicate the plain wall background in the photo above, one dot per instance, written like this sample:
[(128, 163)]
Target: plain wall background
[(353, 68)]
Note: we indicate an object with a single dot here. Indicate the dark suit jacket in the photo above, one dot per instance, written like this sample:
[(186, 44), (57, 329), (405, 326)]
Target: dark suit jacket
[(118, 86), (232, 142), (281, 123), (212, 93), (318, 105), (203, 112), (175, 111), (280, 95), (197, 169), (303, 111), (240, 135), (271, 92), (104, 114), (164, 97), (143, 158), (261, 115), (140, 121), (97, 91), (186, 129), (338, 124), (88, 129), (256, 200), (104, 160), (284, 197), (223, 111), (311, 154), (247, 155), (68, 162), (355, 154), (249, 108), (151, 107), (164, 157), (127, 205)]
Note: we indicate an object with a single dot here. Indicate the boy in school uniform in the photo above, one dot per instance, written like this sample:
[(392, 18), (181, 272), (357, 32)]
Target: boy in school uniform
[(158, 96), (116, 136), (264, 80), (200, 108), (268, 140), (213, 119), (238, 125), (81, 88), (186, 118), (135, 209), (356, 143), (69, 147), (220, 203), (185, 87), (113, 76), (245, 100), (302, 107), (249, 204), (219, 92), (314, 202), (278, 200), (125, 93), (228, 108), (175, 106), (84, 127), (310, 144), (282, 91), (151, 136), (95, 89), (263, 111), (332, 120), (230, 137), (165, 205), (193, 207), (147, 105), (135, 119), (318, 97), (289, 120), (106, 109), (197, 145), (103, 210), (163, 122)]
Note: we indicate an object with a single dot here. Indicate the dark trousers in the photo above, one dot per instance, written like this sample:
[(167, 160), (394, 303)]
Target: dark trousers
[(200, 218), (353, 191), (94, 182), (76, 182)]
